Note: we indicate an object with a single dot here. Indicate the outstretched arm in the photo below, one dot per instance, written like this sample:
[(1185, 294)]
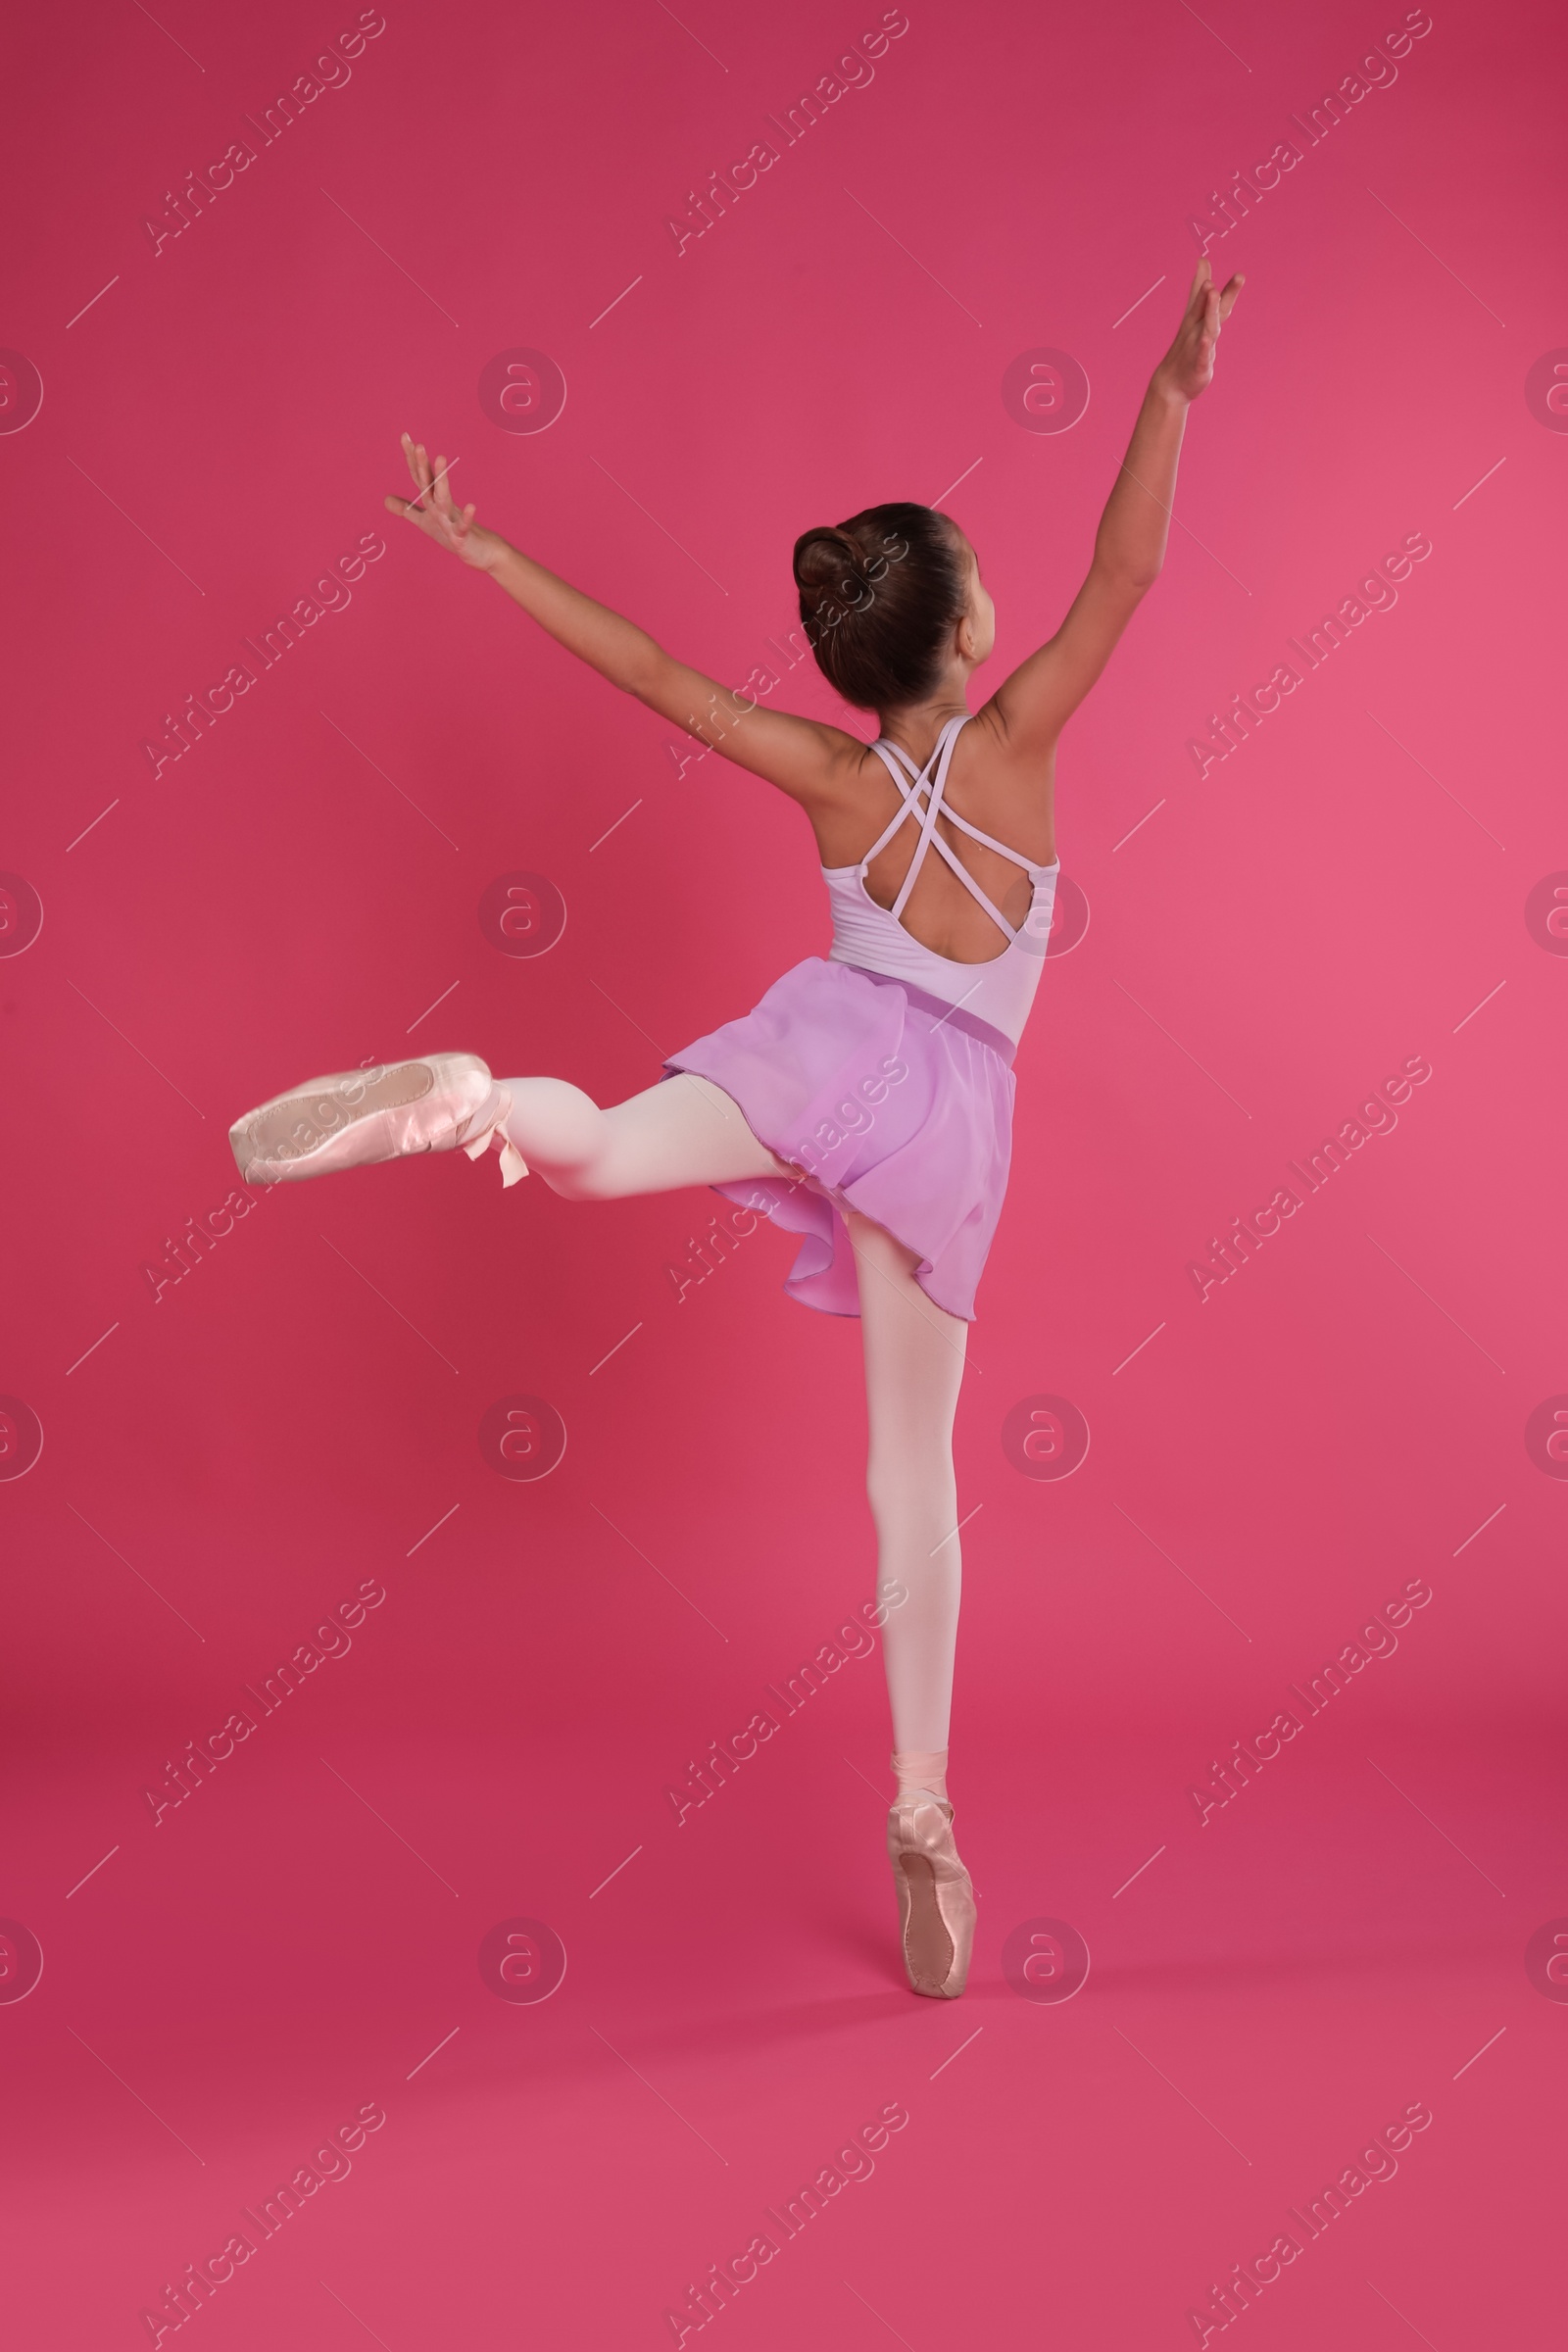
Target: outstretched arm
[(803, 758), (1042, 694)]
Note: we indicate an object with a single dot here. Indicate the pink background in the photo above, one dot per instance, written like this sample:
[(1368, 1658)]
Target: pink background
[(292, 1419)]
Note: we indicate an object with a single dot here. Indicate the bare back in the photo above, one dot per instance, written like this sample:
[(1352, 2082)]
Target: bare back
[(998, 790)]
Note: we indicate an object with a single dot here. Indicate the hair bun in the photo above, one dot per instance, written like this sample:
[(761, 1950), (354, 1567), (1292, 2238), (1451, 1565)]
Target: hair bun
[(880, 595), (827, 562)]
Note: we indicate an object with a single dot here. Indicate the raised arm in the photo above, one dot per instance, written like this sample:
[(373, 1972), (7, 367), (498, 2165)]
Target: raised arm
[(1042, 694), (810, 762)]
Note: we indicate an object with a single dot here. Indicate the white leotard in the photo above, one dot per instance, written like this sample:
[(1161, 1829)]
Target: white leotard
[(999, 992)]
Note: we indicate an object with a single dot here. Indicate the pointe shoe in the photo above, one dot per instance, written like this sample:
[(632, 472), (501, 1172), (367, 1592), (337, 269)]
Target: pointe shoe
[(440, 1103), (936, 1899)]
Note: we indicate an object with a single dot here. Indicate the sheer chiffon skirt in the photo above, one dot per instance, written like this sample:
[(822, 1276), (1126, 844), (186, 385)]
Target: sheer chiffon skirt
[(887, 1101)]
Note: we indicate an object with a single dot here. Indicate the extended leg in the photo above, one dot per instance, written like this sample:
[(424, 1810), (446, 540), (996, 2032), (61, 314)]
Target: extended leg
[(913, 1367), (686, 1131)]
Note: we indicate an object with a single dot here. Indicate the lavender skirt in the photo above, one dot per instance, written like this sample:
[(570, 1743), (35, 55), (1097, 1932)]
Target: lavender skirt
[(889, 1102)]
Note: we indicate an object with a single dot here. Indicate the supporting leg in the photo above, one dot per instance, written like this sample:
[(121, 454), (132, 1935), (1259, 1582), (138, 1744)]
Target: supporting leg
[(686, 1131), (913, 1368)]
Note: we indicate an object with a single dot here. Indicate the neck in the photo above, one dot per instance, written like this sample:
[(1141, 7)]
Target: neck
[(915, 726)]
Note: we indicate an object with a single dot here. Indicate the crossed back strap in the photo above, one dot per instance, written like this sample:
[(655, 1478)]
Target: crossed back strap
[(931, 781)]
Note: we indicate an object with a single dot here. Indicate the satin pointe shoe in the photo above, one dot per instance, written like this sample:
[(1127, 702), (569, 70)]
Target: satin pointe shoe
[(440, 1103), (936, 1899)]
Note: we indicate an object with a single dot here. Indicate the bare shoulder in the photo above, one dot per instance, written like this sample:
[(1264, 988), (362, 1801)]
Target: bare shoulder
[(1004, 762), (846, 762), (854, 798), (813, 761), (1009, 745), (1006, 782)]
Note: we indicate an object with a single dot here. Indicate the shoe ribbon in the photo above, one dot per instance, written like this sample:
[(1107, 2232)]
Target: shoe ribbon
[(512, 1164)]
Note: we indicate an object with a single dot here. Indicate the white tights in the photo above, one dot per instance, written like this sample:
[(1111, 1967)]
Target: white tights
[(688, 1131)]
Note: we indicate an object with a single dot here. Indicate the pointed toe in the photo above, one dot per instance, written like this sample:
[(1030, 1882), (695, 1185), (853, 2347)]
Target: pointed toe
[(935, 1897), (355, 1118)]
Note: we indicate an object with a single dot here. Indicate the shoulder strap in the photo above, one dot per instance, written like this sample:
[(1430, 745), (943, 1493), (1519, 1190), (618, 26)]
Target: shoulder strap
[(892, 758), (987, 841), (922, 780), (934, 788)]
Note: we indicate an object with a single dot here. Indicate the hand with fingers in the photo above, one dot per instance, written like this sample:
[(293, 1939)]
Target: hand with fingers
[(1189, 365), (431, 510)]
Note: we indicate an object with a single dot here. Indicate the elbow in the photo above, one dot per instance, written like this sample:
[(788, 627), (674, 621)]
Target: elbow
[(641, 672), (1130, 581)]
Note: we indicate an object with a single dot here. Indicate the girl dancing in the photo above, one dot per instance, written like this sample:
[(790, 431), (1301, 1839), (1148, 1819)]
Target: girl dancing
[(865, 1104)]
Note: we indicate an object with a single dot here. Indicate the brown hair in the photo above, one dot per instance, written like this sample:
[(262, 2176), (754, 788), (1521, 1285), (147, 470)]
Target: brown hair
[(880, 595)]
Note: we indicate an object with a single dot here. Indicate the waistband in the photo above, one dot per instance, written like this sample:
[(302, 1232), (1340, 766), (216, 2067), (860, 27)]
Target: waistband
[(947, 1015)]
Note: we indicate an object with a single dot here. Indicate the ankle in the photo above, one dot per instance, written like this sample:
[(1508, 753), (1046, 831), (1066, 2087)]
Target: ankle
[(922, 1772)]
